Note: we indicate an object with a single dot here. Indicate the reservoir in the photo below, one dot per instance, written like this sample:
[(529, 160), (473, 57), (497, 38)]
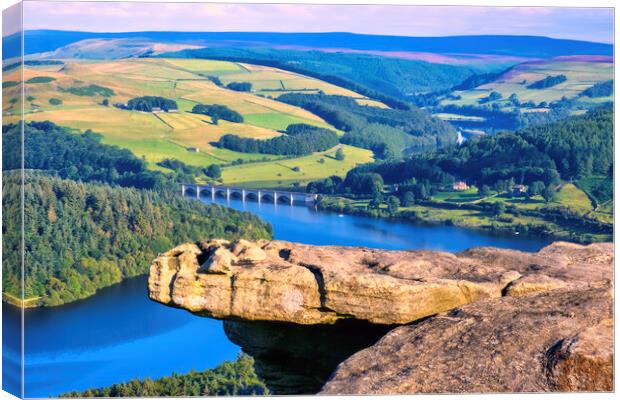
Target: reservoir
[(119, 334)]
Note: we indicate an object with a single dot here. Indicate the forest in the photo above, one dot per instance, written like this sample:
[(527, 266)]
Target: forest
[(575, 148), (395, 132), (82, 237), (300, 139), (240, 86), (82, 157), (147, 103), (217, 112), (600, 89), (231, 378), (549, 81)]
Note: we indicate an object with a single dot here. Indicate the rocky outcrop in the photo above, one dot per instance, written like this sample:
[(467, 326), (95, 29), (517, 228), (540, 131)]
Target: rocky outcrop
[(473, 310), (557, 341), (288, 282)]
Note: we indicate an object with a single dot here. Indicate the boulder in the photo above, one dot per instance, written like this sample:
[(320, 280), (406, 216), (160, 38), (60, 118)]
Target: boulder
[(348, 320), (556, 341)]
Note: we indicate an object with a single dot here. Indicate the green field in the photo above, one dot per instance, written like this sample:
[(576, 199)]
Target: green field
[(282, 173), (574, 198), (156, 137), (580, 74), (568, 195)]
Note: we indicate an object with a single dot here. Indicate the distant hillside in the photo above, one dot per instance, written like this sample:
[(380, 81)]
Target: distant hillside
[(525, 46), (532, 92), (389, 75)]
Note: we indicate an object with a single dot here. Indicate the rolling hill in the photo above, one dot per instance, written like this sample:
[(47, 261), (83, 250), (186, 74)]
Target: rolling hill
[(581, 73), (73, 95)]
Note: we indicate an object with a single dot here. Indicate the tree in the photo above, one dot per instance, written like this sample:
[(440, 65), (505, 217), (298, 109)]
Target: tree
[(498, 208), (549, 193), (214, 171), (484, 191), (105, 102), (240, 86), (393, 203), (339, 154), (408, 199), (536, 188), (375, 202)]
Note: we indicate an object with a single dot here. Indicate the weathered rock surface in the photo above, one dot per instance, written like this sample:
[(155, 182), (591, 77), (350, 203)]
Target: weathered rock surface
[(557, 341), (484, 320), (288, 282)]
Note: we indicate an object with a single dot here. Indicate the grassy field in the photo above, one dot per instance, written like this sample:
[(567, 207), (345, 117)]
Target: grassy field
[(568, 195), (283, 173), (457, 117), (581, 74), (169, 135)]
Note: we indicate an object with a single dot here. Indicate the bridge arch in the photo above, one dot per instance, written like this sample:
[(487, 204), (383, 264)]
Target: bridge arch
[(267, 196), (236, 194), (284, 198), (205, 191), (190, 191), (251, 196), (220, 192)]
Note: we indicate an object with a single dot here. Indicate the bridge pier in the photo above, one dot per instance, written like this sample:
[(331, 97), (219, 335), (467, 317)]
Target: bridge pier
[(290, 197)]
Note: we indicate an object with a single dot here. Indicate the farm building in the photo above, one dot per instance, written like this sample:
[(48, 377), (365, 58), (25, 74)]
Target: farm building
[(459, 186), (519, 190), (156, 110), (194, 149)]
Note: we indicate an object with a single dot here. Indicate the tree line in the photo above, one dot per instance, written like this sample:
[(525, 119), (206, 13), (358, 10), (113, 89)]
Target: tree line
[(547, 82), (217, 112), (82, 157), (147, 103), (231, 378), (388, 132), (300, 139), (600, 89)]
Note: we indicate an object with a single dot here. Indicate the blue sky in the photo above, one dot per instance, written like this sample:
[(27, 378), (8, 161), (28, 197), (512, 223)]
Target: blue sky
[(594, 24)]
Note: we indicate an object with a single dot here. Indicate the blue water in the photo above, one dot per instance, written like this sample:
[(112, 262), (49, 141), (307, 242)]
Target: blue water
[(119, 334)]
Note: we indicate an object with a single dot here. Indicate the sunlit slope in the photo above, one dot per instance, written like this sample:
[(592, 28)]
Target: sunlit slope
[(581, 73), (51, 96), (300, 170)]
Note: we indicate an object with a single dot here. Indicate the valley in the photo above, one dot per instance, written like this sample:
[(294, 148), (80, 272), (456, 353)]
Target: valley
[(443, 167)]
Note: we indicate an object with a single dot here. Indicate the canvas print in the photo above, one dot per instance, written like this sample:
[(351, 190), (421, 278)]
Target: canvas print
[(209, 199)]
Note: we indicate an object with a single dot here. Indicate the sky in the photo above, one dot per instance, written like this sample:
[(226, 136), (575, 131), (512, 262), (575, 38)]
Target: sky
[(592, 24)]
